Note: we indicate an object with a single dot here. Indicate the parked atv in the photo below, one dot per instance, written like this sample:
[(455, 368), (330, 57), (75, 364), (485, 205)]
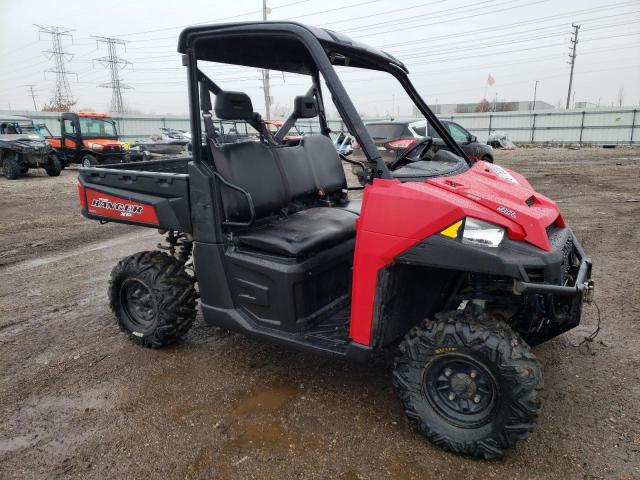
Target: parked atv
[(457, 265), (90, 138), (20, 151)]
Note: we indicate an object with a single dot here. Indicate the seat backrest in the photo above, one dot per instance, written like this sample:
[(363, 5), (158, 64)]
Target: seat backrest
[(297, 171), (312, 167), (253, 166), (276, 176), (325, 162)]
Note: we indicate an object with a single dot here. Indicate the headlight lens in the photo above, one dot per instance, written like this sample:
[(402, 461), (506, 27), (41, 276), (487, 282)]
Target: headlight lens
[(97, 147), (477, 232)]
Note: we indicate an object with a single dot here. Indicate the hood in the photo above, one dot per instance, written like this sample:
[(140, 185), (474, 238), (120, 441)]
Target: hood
[(105, 142), (28, 137), (27, 141), (510, 195)]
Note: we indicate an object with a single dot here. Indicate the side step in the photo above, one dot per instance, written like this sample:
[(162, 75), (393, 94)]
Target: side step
[(330, 336), (331, 333)]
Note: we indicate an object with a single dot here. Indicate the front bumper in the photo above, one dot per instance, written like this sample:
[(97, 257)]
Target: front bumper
[(583, 283), (543, 290)]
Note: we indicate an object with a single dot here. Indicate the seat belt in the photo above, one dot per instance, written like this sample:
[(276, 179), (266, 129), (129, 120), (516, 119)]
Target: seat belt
[(205, 106)]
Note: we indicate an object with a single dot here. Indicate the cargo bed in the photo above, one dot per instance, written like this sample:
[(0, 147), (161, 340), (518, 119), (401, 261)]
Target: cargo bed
[(153, 194)]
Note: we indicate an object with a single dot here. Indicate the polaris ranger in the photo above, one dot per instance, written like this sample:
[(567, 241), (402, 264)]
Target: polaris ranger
[(457, 264), (22, 149), (88, 138)]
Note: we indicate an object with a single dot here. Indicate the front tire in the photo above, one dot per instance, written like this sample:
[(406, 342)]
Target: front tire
[(488, 158), (89, 161), (53, 167), (470, 386), (153, 298), (11, 168)]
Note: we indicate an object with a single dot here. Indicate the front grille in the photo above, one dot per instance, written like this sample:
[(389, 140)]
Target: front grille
[(529, 201), (536, 275)]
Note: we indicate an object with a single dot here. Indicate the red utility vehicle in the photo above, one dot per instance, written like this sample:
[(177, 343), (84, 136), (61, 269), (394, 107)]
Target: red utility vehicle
[(458, 265)]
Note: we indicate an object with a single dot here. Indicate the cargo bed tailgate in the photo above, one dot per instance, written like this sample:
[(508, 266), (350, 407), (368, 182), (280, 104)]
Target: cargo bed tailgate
[(148, 198)]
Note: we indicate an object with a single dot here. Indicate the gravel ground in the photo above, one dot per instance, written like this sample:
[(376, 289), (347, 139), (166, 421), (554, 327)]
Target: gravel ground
[(79, 401)]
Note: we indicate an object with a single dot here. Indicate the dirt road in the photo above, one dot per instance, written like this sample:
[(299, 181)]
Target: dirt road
[(78, 401)]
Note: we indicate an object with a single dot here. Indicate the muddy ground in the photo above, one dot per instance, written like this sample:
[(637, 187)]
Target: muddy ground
[(79, 401)]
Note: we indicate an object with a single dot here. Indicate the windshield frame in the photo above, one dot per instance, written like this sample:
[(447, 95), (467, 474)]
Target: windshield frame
[(430, 117), (325, 50), (106, 120)]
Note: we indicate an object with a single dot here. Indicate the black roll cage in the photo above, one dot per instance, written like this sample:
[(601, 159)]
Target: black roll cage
[(194, 40)]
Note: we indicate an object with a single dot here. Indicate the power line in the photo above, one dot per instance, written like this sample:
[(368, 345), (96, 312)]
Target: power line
[(114, 63), (62, 97), (253, 12), (572, 56)]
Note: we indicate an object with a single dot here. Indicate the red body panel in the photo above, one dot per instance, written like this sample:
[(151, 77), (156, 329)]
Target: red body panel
[(111, 206), (396, 216)]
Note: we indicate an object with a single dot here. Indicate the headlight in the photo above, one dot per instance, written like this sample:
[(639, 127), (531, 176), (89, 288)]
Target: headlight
[(477, 232), (96, 146)]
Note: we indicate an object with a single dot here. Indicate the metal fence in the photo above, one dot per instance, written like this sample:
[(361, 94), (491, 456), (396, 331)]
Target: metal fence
[(619, 126), (611, 126)]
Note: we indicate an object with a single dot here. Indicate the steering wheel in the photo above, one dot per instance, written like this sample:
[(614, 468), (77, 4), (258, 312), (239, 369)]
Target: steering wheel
[(413, 153)]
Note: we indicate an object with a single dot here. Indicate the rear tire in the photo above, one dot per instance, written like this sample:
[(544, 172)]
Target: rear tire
[(470, 386), (53, 167), (89, 161), (11, 168), (153, 298)]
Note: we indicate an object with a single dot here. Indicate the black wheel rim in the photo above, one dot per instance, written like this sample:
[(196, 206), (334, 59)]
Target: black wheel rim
[(138, 303), (461, 389)]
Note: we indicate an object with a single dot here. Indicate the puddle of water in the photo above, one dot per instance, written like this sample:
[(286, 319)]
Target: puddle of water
[(264, 434), (256, 402), (270, 399), (249, 429)]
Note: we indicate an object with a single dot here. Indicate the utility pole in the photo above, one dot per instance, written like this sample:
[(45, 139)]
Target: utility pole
[(114, 63), (265, 73), (572, 56), (33, 96), (62, 98), (535, 93)]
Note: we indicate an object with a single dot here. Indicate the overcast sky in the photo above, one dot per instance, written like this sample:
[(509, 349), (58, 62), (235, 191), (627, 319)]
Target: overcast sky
[(450, 47)]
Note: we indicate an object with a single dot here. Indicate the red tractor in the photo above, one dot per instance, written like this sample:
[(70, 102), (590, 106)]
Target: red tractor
[(456, 264)]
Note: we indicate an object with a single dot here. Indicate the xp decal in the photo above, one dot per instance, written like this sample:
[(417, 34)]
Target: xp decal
[(507, 211), (104, 205)]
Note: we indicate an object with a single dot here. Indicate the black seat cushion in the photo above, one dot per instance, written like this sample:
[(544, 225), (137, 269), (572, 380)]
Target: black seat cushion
[(302, 233)]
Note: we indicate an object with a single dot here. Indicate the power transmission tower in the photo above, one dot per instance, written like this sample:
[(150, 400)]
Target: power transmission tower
[(33, 96), (62, 98), (114, 63), (265, 73), (572, 56)]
